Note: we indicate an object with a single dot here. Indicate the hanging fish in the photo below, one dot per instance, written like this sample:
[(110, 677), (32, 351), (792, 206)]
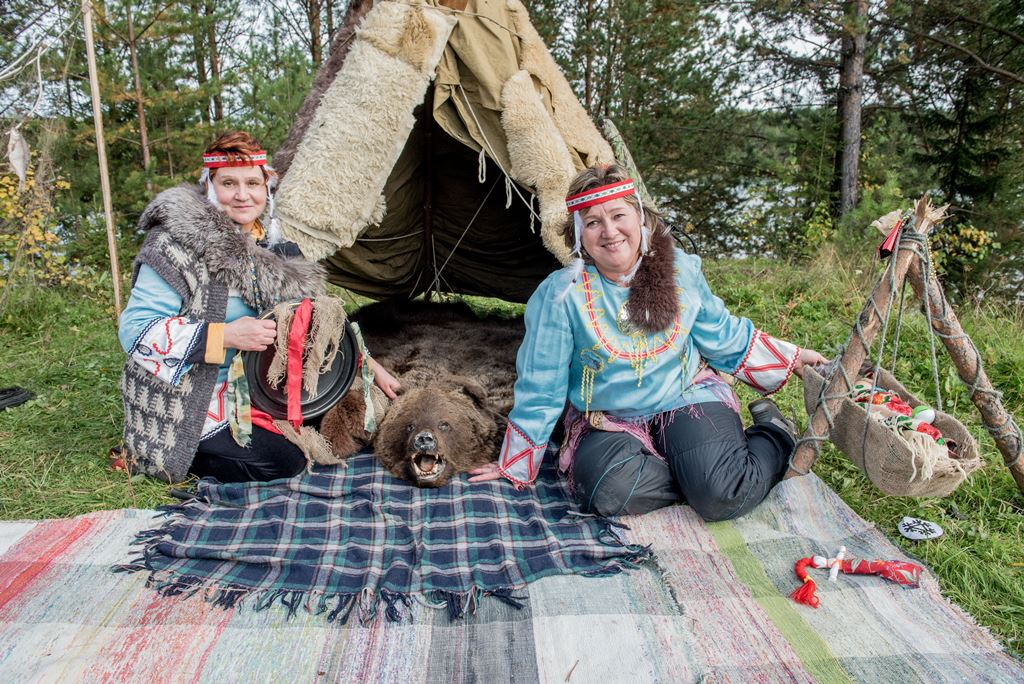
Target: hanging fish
[(18, 155)]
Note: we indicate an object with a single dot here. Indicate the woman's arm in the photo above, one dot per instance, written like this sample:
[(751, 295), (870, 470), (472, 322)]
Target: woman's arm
[(385, 380), (732, 344), (541, 389), (155, 335)]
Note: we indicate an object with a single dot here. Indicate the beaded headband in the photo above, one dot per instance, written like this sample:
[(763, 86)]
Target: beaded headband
[(600, 195), (217, 160)]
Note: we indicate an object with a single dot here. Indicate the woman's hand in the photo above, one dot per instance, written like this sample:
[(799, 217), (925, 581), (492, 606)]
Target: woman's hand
[(385, 380), (485, 472), (808, 357), (250, 334)]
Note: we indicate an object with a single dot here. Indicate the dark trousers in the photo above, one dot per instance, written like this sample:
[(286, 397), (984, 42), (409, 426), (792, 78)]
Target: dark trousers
[(710, 462), (269, 456)]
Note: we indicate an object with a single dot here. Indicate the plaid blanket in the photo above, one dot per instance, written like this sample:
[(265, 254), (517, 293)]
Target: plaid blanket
[(358, 539)]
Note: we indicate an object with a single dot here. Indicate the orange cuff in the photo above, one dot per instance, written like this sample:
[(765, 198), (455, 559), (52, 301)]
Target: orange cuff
[(215, 352)]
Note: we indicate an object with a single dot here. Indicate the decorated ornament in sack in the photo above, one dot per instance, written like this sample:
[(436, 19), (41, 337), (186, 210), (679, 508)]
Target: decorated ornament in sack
[(901, 572)]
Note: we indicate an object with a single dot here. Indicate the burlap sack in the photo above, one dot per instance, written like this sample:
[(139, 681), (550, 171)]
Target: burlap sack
[(885, 456)]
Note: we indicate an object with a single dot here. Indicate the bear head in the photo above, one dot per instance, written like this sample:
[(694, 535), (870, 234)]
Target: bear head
[(436, 431)]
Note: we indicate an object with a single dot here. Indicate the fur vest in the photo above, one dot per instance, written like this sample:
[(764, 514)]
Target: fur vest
[(203, 255)]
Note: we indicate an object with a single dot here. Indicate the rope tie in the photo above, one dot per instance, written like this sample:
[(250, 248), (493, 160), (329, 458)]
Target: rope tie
[(479, 128)]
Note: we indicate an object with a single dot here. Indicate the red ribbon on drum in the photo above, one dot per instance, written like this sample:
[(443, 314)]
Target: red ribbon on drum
[(296, 347)]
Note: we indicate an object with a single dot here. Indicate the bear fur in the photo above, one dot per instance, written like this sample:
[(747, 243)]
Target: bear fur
[(457, 371)]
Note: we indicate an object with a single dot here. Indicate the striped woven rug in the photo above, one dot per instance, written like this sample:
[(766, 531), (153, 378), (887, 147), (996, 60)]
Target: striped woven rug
[(713, 610)]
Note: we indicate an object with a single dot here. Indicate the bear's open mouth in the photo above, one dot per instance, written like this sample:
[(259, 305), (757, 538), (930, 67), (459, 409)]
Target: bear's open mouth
[(427, 466)]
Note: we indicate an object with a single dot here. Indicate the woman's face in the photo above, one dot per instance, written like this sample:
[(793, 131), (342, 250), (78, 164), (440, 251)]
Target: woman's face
[(242, 192), (611, 236)]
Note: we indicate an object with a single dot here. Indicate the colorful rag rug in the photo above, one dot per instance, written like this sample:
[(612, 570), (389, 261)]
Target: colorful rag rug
[(714, 611), (355, 539)]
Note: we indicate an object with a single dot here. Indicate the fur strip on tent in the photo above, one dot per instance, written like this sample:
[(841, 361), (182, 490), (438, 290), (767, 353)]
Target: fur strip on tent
[(572, 120), (539, 156), (323, 203)]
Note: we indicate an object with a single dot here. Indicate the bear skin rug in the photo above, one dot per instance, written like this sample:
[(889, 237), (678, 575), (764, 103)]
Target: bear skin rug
[(457, 371)]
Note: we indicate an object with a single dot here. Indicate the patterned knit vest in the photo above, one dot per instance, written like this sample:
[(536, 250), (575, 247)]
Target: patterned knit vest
[(187, 240)]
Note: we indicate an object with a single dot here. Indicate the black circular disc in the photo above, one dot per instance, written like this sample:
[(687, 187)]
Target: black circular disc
[(331, 387)]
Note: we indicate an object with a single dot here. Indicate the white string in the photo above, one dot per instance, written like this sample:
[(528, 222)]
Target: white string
[(481, 167), (211, 193), (508, 194), (274, 230), (390, 239), (532, 229), (487, 142), (578, 224), (437, 273)]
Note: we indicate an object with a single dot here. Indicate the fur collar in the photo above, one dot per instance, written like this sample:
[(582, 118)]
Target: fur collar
[(653, 303), (228, 252)]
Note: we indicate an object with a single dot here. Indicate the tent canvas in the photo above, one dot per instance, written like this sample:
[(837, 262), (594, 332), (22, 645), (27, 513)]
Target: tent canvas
[(434, 152)]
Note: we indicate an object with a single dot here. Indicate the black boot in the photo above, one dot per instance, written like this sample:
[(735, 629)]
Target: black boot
[(765, 411)]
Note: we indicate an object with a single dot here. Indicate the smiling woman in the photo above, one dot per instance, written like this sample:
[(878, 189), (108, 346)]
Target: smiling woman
[(622, 343), (212, 262)]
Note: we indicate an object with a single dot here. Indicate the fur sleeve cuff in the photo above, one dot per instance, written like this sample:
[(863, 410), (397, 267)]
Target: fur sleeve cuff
[(768, 363), (519, 460)]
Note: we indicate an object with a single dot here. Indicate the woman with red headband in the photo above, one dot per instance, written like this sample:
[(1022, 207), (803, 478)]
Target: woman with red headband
[(628, 335), (210, 264)]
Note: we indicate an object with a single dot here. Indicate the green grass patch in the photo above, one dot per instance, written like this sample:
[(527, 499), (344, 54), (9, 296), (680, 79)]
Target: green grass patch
[(63, 346)]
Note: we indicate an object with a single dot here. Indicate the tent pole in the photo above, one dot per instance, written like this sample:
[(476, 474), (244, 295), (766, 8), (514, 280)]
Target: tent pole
[(428, 194), (101, 153)]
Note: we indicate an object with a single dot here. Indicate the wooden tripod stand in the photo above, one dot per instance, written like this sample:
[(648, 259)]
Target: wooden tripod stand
[(908, 263)]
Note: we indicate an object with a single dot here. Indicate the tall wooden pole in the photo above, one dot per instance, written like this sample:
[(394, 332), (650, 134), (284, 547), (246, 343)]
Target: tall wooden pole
[(101, 153), (968, 365)]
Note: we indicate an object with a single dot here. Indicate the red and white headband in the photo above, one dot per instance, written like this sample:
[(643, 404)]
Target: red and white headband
[(605, 193), (218, 160)]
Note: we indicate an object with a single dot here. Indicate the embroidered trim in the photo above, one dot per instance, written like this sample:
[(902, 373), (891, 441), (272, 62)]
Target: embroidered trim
[(600, 195), (668, 343), (518, 483), (217, 160), (771, 361), (789, 373), (507, 458)]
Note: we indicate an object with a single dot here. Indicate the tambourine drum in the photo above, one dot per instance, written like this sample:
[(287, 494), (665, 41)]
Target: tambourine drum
[(330, 389)]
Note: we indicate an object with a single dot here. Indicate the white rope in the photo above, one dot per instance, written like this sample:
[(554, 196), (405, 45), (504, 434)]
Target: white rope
[(390, 239), (508, 194), (437, 273), (481, 167), (490, 147)]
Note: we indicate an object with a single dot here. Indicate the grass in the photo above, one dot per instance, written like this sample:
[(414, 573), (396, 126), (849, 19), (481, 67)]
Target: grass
[(63, 346)]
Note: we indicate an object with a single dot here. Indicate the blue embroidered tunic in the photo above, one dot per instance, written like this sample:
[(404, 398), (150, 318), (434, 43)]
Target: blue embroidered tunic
[(582, 349)]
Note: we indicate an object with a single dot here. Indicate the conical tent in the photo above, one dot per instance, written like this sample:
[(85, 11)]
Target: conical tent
[(435, 151)]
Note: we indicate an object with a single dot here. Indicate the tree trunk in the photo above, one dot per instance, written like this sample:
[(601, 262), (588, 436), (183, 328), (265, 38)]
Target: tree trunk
[(139, 108), (330, 21), (199, 52), (609, 60), (588, 60), (313, 16), (211, 35), (851, 92)]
